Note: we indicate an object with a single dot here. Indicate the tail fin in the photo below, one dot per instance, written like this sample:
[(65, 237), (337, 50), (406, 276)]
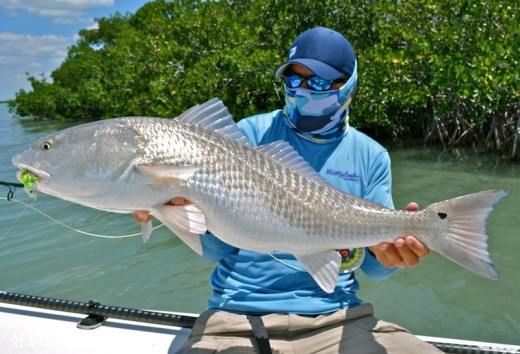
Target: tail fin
[(466, 239)]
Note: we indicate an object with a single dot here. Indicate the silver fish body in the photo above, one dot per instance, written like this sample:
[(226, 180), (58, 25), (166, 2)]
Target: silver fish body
[(263, 199)]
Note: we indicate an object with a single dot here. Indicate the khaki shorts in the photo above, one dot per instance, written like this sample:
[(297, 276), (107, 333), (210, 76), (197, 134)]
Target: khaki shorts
[(352, 330)]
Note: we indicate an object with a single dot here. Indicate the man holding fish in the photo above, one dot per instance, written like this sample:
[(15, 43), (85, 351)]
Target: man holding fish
[(274, 201), (262, 301)]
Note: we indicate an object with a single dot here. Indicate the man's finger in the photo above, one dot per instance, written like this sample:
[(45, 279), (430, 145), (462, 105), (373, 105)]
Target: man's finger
[(178, 201), (413, 206), (416, 246), (408, 256), (388, 255), (141, 216)]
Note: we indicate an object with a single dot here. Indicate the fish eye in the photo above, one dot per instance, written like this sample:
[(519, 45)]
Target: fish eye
[(46, 145)]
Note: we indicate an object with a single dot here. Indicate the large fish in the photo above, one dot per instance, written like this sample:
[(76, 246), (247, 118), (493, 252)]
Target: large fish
[(263, 199)]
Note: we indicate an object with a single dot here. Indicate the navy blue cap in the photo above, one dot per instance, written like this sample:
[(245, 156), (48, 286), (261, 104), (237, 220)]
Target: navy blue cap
[(324, 51)]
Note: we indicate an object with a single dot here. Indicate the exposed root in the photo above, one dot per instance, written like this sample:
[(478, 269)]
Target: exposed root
[(455, 128)]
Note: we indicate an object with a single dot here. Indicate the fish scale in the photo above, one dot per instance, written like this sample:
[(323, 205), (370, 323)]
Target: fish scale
[(285, 195)]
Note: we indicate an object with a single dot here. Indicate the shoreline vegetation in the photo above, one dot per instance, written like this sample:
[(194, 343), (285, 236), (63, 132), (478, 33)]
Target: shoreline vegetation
[(442, 72)]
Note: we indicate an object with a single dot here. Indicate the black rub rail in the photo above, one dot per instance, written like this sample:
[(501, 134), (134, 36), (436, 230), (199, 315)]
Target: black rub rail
[(97, 309)]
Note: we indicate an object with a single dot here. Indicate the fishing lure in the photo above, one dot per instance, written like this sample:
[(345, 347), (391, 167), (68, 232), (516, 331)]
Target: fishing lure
[(29, 182)]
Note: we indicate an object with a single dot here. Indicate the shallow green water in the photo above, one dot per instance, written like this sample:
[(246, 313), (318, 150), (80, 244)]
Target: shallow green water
[(437, 298)]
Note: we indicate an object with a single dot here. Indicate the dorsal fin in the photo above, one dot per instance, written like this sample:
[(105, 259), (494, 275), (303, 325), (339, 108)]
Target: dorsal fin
[(284, 153), (214, 115)]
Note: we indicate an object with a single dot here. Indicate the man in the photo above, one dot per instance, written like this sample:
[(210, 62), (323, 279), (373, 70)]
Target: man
[(261, 302)]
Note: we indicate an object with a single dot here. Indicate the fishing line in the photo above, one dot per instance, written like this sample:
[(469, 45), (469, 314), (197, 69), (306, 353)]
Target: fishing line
[(70, 227), (14, 222), (10, 196), (298, 269)]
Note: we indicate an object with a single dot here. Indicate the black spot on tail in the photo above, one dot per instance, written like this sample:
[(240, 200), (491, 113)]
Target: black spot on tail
[(442, 215)]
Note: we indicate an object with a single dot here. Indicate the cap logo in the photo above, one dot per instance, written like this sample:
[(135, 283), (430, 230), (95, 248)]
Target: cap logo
[(292, 51)]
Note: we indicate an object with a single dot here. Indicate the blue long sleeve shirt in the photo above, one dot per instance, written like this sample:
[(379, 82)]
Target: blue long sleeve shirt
[(255, 283)]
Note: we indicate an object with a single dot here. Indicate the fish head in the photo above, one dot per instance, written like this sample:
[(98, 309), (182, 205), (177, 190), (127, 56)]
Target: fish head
[(81, 161)]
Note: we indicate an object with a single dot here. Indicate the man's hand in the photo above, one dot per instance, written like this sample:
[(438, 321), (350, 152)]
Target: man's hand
[(142, 216), (403, 252)]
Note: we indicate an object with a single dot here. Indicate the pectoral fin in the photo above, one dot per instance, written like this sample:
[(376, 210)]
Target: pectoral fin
[(187, 222), (323, 267), (168, 174), (146, 230)]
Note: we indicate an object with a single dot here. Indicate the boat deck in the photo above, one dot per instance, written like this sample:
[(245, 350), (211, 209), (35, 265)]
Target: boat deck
[(30, 330)]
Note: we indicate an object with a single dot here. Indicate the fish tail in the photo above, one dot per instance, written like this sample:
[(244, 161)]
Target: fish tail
[(465, 242)]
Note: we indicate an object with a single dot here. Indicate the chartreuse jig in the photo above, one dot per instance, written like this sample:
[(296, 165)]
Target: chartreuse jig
[(29, 182)]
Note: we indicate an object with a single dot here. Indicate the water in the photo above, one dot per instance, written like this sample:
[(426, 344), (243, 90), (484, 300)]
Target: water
[(437, 298)]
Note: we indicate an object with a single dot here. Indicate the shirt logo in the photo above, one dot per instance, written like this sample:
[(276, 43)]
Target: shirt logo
[(346, 175), (292, 51)]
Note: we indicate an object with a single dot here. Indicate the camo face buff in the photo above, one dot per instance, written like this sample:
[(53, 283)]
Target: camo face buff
[(319, 112)]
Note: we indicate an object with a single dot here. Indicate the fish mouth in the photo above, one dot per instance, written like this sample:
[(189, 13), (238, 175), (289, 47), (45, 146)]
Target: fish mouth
[(40, 176)]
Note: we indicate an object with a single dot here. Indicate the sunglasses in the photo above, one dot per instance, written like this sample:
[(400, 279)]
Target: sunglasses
[(314, 82)]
